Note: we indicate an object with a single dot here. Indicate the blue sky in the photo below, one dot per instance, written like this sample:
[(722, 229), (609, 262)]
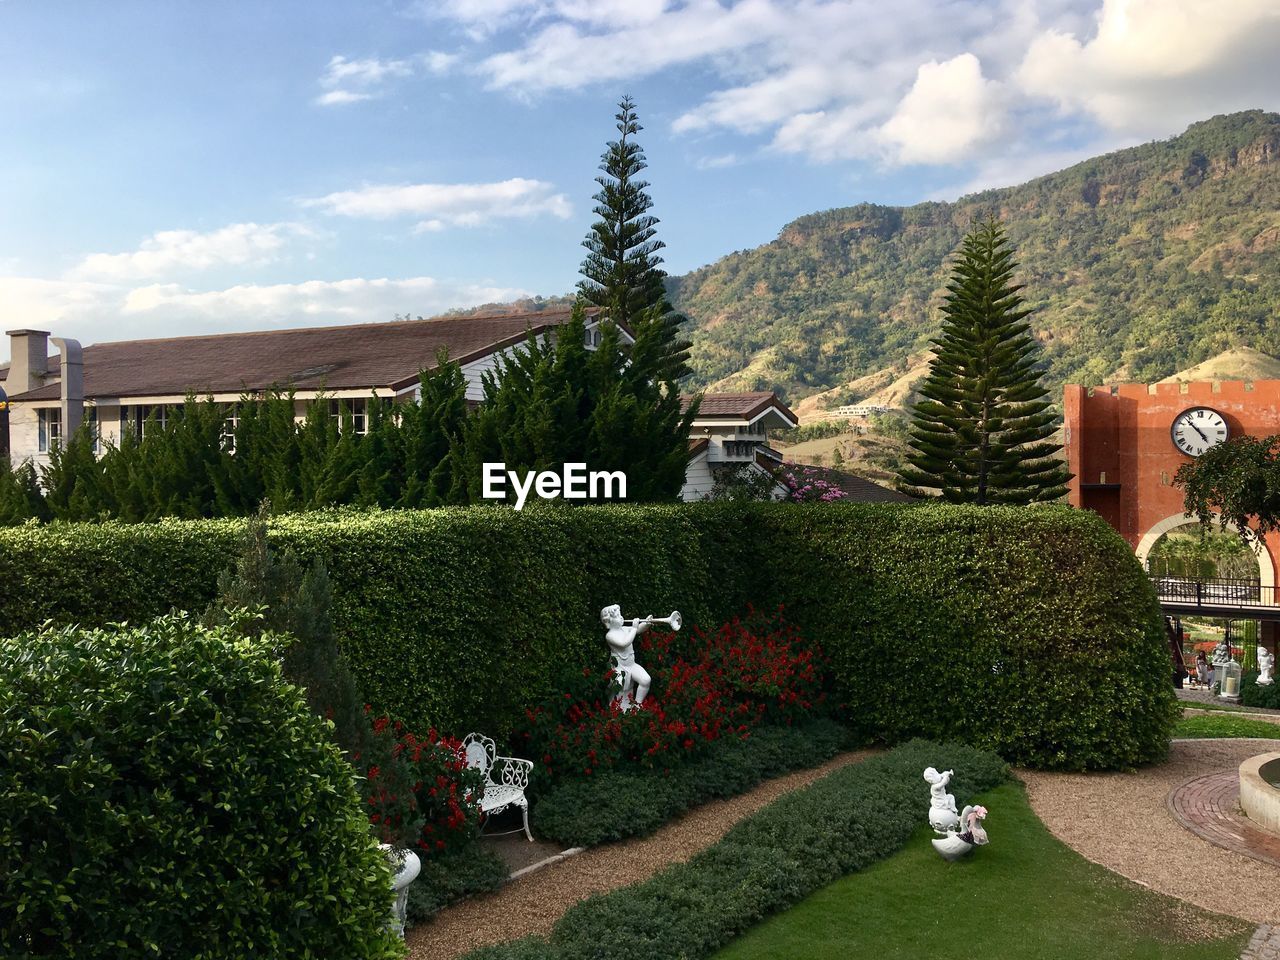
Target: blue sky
[(180, 167)]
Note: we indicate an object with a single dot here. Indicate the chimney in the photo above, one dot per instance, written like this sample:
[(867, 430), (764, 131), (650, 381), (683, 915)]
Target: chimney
[(28, 360), (72, 377)]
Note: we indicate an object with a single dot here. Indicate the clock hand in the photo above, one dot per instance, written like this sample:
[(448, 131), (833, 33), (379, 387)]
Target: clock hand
[(1199, 431)]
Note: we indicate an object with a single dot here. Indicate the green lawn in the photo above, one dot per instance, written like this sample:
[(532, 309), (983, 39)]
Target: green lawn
[(1225, 726), (1025, 895)]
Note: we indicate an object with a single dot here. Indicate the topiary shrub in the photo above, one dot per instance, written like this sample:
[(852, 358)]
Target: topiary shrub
[(1029, 630), (163, 793)]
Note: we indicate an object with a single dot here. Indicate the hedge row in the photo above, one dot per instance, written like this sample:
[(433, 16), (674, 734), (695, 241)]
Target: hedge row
[(614, 806), (1032, 631), (798, 844)]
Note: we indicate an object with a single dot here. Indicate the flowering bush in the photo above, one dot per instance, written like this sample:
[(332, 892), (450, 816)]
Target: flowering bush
[(808, 485), (419, 790), (707, 687)]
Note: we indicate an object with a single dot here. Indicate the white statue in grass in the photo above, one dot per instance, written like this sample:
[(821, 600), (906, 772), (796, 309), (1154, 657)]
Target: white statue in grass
[(942, 805), (1266, 665), (621, 636)]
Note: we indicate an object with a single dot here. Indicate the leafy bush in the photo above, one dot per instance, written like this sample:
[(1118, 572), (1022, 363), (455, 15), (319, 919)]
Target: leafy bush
[(166, 794), (1253, 694), (420, 789), (706, 688), (1032, 631), (798, 844), (445, 879), (616, 805)]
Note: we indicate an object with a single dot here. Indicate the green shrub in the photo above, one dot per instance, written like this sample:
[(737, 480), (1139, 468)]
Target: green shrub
[(798, 844), (165, 794), (1253, 694), (613, 806), (475, 868), (1032, 631)]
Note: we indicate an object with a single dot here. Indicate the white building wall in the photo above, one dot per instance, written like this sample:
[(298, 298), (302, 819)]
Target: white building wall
[(698, 479)]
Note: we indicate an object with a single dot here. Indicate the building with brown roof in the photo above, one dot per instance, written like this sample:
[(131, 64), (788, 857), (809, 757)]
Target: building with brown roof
[(119, 386), (730, 432)]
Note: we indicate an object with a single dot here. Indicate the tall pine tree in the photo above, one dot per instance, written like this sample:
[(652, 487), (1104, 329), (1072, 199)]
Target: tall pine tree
[(621, 273), (981, 433)]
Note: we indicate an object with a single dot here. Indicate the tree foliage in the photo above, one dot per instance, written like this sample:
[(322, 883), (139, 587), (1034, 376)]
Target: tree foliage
[(980, 434), (1236, 483), (621, 272)]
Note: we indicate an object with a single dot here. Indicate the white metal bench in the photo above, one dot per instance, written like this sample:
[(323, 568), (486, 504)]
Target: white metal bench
[(505, 778)]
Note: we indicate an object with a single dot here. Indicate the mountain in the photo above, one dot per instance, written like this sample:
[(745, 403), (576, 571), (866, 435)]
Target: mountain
[(1140, 263)]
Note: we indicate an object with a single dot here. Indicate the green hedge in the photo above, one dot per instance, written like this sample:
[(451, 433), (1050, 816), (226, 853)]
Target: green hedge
[(798, 844), (164, 793), (1029, 630), (614, 806)]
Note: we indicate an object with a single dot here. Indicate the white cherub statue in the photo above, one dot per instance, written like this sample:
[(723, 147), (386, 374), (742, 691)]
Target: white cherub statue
[(1266, 664), (621, 638), (942, 805)]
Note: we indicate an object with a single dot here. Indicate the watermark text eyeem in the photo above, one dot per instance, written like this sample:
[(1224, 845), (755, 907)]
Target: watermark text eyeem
[(573, 482)]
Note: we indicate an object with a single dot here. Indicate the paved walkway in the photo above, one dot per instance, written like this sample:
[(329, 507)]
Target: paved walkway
[(1201, 695), (1265, 944), (1209, 807)]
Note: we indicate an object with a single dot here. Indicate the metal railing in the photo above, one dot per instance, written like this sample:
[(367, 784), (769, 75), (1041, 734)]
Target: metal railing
[(1214, 592)]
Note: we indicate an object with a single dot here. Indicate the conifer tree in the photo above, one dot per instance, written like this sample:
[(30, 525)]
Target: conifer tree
[(981, 432), (20, 496), (621, 272)]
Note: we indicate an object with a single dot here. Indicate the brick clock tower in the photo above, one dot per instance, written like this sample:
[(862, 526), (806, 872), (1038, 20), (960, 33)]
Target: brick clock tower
[(1125, 442)]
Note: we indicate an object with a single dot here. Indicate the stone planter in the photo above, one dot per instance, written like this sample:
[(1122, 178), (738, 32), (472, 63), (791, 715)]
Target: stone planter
[(407, 866)]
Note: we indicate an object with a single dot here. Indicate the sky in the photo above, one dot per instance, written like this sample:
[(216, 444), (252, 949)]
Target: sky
[(176, 167)]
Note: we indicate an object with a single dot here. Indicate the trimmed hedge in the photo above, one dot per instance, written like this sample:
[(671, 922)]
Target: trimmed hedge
[(795, 846), (1032, 631), (164, 793), (595, 810)]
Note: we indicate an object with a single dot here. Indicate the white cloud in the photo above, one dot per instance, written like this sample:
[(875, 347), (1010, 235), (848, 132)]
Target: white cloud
[(448, 204), (948, 110), (96, 312), (921, 81), (351, 81), (338, 97), (169, 251), (1153, 65), (718, 162)]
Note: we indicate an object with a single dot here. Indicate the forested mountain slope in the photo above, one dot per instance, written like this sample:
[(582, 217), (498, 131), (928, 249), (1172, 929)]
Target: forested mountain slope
[(1141, 262)]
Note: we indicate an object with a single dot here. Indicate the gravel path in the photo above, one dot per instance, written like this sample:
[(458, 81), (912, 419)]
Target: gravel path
[(533, 903), (1120, 821)]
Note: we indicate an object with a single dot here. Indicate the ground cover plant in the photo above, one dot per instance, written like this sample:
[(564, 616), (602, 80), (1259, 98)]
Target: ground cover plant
[(1225, 726), (164, 793), (1032, 631), (1024, 895), (798, 844), (1253, 694)]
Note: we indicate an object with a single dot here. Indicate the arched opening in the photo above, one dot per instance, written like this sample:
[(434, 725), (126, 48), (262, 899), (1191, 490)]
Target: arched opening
[(1185, 530)]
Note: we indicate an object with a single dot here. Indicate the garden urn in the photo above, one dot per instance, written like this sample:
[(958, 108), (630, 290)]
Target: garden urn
[(406, 867)]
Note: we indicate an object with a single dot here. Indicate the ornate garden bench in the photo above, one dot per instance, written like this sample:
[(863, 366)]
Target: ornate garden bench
[(505, 778)]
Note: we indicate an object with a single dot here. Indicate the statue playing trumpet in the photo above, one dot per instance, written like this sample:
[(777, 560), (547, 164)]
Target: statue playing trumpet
[(621, 635)]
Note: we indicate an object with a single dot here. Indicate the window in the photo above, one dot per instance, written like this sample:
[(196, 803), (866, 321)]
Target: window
[(230, 421), (91, 418), (50, 428), (136, 417), (593, 338), (355, 408)]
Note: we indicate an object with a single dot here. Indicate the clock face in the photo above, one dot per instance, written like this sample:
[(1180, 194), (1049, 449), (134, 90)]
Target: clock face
[(1194, 431)]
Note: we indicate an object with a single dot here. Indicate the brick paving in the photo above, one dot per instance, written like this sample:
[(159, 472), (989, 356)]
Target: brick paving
[(1264, 945), (1209, 807)]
